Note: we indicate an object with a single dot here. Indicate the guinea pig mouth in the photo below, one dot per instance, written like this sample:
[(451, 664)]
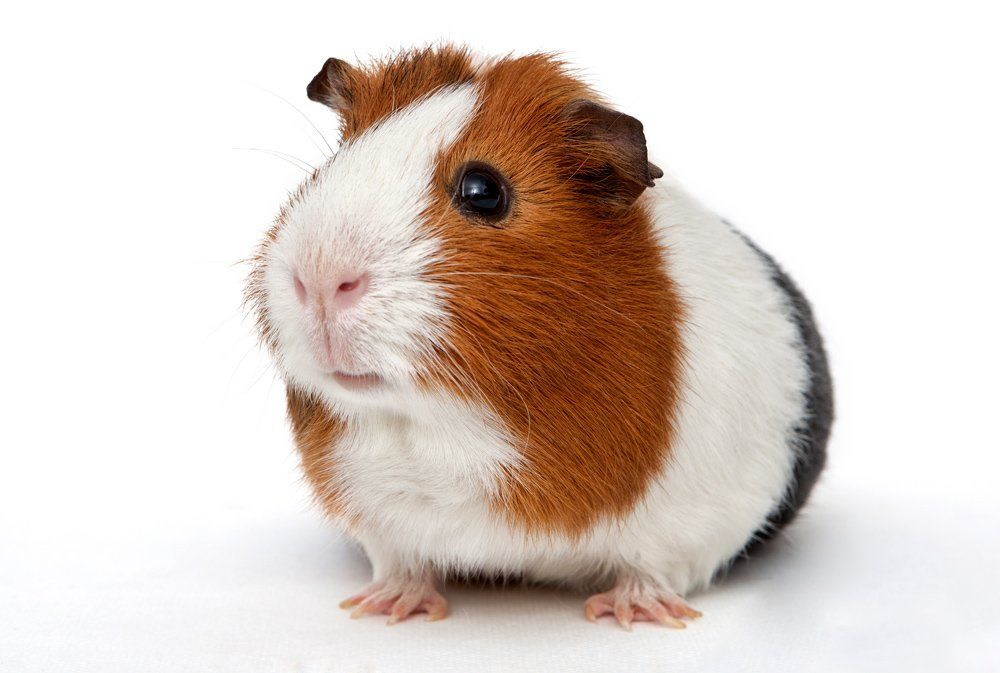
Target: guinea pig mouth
[(357, 382)]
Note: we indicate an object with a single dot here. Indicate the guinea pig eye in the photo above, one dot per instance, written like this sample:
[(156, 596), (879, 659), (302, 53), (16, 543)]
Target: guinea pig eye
[(481, 193)]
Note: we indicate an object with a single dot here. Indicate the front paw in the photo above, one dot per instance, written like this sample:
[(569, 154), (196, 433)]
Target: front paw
[(399, 596), (634, 599)]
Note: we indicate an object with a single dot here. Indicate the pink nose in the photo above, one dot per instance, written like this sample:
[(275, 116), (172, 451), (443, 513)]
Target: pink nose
[(337, 294)]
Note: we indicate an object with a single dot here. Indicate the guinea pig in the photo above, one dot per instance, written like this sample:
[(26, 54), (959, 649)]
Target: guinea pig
[(513, 347)]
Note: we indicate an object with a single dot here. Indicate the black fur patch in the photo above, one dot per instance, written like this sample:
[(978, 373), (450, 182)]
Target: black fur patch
[(812, 433)]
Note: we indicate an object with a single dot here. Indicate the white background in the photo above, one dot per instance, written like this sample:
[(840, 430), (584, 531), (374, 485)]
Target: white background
[(151, 517)]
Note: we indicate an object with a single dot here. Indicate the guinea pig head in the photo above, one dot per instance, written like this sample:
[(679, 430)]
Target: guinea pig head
[(481, 234)]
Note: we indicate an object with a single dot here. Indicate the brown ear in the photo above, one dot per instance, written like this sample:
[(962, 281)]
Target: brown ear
[(614, 162), (330, 86)]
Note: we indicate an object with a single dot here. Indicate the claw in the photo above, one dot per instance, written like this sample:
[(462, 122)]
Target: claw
[(624, 614), (350, 602), (690, 612), (656, 611), (399, 598), (667, 620), (436, 614), (631, 601)]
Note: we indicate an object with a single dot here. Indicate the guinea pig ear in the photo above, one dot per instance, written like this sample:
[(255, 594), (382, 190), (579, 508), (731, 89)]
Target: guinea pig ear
[(614, 147), (330, 85)]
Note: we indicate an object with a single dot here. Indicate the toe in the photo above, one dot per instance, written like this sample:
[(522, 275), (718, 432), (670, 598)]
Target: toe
[(436, 607), (678, 608), (658, 613), (624, 614), (422, 599), (596, 606), (358, 598), (373, 605), (350, 602), (404, 606), (630, 603)]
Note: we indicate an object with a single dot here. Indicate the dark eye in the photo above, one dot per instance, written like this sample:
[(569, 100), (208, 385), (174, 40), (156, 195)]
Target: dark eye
[(481, 193)]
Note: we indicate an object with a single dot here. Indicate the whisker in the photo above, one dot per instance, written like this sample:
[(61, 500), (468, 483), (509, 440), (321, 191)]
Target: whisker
[(463, 381), (222, 324), (466, 329), (544, 280), (500, 377), (308, 168), (304, 116)]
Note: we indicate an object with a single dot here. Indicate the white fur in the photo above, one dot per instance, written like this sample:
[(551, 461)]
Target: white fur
[(744, 381), (363, 213), (418, 470)]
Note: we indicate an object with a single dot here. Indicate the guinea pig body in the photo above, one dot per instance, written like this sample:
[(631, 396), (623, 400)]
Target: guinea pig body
[(513, 348)]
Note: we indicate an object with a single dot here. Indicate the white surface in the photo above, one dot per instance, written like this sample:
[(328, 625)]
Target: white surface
[(865, 583), (150, 515)]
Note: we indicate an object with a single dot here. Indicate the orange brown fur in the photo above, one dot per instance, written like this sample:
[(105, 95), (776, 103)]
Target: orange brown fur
[(388, 85), (316, 430), (564, 318)]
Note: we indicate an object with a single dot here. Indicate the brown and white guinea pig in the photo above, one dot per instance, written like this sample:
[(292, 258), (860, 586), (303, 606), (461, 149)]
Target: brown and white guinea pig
[(514, 348)]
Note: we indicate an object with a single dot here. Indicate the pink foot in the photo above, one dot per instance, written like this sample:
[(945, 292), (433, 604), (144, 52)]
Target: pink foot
[(633, 600), (399, 597)]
